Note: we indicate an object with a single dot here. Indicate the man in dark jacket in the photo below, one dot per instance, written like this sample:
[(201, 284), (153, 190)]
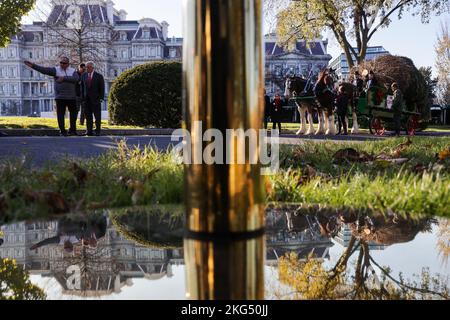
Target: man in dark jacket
[(397, 105), (80, 106), (66, 79), (93, 93), (342, 109)]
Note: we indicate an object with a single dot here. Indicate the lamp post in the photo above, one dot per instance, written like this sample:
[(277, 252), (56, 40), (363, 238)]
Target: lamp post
[(223, 89)]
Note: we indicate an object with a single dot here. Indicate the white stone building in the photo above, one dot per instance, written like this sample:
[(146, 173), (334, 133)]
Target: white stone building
[(113, 42), (280, 62)]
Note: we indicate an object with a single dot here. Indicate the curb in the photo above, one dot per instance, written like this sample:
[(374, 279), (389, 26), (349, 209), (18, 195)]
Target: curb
[(105, 132)]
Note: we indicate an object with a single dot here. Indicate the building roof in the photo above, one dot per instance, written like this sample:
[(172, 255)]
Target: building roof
[(90, 13), (272, 48)]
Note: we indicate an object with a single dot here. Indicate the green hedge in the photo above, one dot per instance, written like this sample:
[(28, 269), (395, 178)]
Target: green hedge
[(148, 95)]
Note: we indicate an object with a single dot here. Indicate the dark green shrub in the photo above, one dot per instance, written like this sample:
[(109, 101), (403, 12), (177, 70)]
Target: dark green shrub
[(148, 95)]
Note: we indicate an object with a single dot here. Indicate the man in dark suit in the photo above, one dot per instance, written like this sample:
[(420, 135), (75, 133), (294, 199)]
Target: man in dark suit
[(93, 93)]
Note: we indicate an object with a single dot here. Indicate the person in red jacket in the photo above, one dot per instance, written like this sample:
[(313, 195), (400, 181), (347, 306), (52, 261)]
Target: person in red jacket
[(276, 112)]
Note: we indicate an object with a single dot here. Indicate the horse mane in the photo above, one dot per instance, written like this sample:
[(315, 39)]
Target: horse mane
[(322, 77)]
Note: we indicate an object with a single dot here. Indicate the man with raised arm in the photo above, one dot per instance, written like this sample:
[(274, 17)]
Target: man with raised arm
[(66, 80)]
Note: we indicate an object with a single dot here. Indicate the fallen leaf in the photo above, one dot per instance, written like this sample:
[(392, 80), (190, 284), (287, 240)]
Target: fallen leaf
[(398, 150), (79, 173), (444, 154), (419, 168), (346, 155), (98, 205), (53, 200)]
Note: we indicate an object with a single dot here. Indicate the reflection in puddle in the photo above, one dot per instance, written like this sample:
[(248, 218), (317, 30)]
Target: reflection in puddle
[(137, 254)]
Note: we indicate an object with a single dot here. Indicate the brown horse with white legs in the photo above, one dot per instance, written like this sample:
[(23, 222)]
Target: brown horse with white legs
[(326, 101)]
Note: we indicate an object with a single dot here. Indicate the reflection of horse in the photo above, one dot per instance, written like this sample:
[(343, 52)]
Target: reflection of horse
[(323, 103)]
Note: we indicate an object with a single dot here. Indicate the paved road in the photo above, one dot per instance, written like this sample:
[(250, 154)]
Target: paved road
[(40, 150)]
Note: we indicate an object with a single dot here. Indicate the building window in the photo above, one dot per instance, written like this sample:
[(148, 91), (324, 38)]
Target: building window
[(173, 53), (140, 51), (152, 51), (146, 34), (123, 36), (124, 54)]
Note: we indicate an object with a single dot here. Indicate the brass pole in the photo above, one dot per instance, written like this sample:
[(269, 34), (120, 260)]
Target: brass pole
[(223, 89)]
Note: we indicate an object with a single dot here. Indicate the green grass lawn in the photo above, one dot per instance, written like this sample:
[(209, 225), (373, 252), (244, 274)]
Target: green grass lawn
[(127, 177), (45, 123), (294, 127)]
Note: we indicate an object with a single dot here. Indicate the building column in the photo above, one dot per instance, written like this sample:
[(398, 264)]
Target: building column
[(223, 89)]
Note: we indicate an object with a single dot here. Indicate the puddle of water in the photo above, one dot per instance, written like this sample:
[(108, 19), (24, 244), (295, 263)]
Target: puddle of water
[(137, 253)]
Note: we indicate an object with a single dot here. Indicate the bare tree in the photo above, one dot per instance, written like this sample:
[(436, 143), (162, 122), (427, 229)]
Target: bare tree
[(443, 65), (77, 34), (350, 21)]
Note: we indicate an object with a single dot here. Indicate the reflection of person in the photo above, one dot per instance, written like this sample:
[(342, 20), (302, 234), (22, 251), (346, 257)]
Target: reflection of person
[(66, 79), (397, 103), (93, 91), (266, 109), (78, 231), (276, 112)]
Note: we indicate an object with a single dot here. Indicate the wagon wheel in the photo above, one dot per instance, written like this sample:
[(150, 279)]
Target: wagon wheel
[(412, 125), (377, 127)]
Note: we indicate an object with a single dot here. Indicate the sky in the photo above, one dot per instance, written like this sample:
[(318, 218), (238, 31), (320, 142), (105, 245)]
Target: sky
[(406, 37)]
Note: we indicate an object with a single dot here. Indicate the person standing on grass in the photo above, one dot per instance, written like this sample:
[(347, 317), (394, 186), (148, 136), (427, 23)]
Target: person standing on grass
[(80, 106), (341, 109), (276, 112), (397, 105), (93, 93), (66, 79)]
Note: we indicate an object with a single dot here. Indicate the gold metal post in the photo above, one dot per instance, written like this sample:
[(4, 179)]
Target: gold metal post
[(223, 88)]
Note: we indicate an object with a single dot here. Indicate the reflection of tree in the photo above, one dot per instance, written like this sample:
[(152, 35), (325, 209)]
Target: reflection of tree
[(87, 271), (443, 244), (310, 279), (15, 283)]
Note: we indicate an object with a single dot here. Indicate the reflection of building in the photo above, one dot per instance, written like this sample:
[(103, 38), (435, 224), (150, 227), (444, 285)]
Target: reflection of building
[(299, 61), (118, 44), (104, 270), (345, 234), (341, 66), (304, 242)]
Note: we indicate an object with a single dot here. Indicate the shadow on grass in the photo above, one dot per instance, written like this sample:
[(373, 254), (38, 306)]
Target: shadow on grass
[(39, 126), (11, 126)]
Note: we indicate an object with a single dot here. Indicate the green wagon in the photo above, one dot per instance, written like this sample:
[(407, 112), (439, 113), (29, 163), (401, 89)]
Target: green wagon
[(375, 106)]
